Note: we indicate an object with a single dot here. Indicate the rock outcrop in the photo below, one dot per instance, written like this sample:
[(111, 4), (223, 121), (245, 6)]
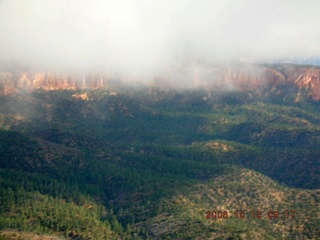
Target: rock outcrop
[(9, 82), (259, 80)]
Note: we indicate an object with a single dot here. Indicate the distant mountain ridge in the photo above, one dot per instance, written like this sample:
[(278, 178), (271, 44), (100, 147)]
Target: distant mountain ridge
[(260, 80), (10, 82)]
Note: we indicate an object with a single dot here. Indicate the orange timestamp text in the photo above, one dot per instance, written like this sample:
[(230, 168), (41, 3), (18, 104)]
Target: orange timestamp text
[(253, 214)]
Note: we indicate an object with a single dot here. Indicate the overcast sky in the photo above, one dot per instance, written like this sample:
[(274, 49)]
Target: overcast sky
[(149, 35)]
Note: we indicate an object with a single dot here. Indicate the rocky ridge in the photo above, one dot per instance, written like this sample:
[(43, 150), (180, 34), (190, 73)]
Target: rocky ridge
[(260, 80)]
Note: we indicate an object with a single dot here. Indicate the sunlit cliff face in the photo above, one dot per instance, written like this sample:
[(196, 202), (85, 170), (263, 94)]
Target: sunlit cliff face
[(226, 78), (308, 79), (9, 82)]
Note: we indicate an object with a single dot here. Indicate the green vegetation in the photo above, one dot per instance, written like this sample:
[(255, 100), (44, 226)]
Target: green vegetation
[(147, 163)]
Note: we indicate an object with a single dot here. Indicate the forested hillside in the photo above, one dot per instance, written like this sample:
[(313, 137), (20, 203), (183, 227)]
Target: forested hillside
[(153, 162)]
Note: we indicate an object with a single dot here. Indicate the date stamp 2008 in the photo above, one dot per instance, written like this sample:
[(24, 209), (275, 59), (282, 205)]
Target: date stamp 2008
[(253, 214)]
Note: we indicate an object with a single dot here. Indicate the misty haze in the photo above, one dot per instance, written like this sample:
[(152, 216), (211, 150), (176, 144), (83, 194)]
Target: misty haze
[(147, 37)]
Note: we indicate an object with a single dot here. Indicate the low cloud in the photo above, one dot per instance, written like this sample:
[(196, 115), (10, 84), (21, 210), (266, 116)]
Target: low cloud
[(146, 37)]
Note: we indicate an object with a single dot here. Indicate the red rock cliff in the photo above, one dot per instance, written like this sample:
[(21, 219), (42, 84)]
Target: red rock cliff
[(260, 80), (10, 82)]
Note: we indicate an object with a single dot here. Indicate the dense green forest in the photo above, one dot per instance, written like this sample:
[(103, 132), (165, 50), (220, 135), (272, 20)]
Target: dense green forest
[(133, 162)]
